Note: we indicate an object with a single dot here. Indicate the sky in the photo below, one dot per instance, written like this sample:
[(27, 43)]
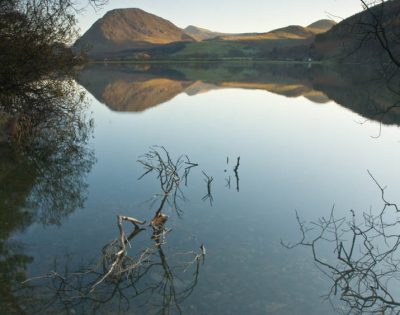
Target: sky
[(232, 16)]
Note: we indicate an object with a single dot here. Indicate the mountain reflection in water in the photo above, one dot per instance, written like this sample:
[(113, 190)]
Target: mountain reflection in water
[(135, 88)]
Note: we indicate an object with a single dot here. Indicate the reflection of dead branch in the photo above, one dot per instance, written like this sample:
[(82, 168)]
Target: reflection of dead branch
[(208, 195), (365, 272), (235, 169), (227, 179), (228, 182), (120, 277)]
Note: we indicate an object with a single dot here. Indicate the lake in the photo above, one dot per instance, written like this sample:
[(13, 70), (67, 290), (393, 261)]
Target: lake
[(262, 141)]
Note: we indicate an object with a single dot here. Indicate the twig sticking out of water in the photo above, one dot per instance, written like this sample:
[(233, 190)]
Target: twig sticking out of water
[(170, 173)]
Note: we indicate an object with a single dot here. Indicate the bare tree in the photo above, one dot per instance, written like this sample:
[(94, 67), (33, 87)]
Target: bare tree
[(36, 85)]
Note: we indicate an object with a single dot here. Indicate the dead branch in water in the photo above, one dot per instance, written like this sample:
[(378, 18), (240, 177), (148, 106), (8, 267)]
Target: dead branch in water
[(121, 253), (170, 173), (123, 263)]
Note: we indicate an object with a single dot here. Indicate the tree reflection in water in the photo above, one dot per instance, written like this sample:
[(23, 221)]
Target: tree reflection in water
[(365, 271), (44, 160), (135, 264)]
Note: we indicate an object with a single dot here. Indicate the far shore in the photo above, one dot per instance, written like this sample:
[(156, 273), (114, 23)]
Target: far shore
[(220, 60)]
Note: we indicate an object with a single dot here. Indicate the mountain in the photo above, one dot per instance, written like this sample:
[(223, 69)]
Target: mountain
[(200, 34), (128, 34), (123, 29)]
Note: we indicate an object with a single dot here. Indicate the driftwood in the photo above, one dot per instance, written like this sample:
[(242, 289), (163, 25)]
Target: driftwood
[(121, 253)]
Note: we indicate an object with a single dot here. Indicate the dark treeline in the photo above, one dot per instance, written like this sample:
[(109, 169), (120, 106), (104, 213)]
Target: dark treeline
[(36, 86), (44, 156)]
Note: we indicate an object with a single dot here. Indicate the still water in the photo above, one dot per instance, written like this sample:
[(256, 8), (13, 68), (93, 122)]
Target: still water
[(306, 137)]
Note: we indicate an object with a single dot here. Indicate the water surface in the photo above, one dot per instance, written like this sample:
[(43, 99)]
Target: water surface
[(305, 135)]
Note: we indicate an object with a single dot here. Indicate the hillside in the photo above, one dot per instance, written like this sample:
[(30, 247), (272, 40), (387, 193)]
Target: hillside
[(123, 29), (354, 38)]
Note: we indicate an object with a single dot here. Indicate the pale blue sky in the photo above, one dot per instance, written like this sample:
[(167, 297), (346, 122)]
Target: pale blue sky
[(232, 15)]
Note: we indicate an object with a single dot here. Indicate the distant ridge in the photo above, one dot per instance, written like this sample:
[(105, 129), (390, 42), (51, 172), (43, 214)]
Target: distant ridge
[(288, 32), (200, 34), (321, 26)]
